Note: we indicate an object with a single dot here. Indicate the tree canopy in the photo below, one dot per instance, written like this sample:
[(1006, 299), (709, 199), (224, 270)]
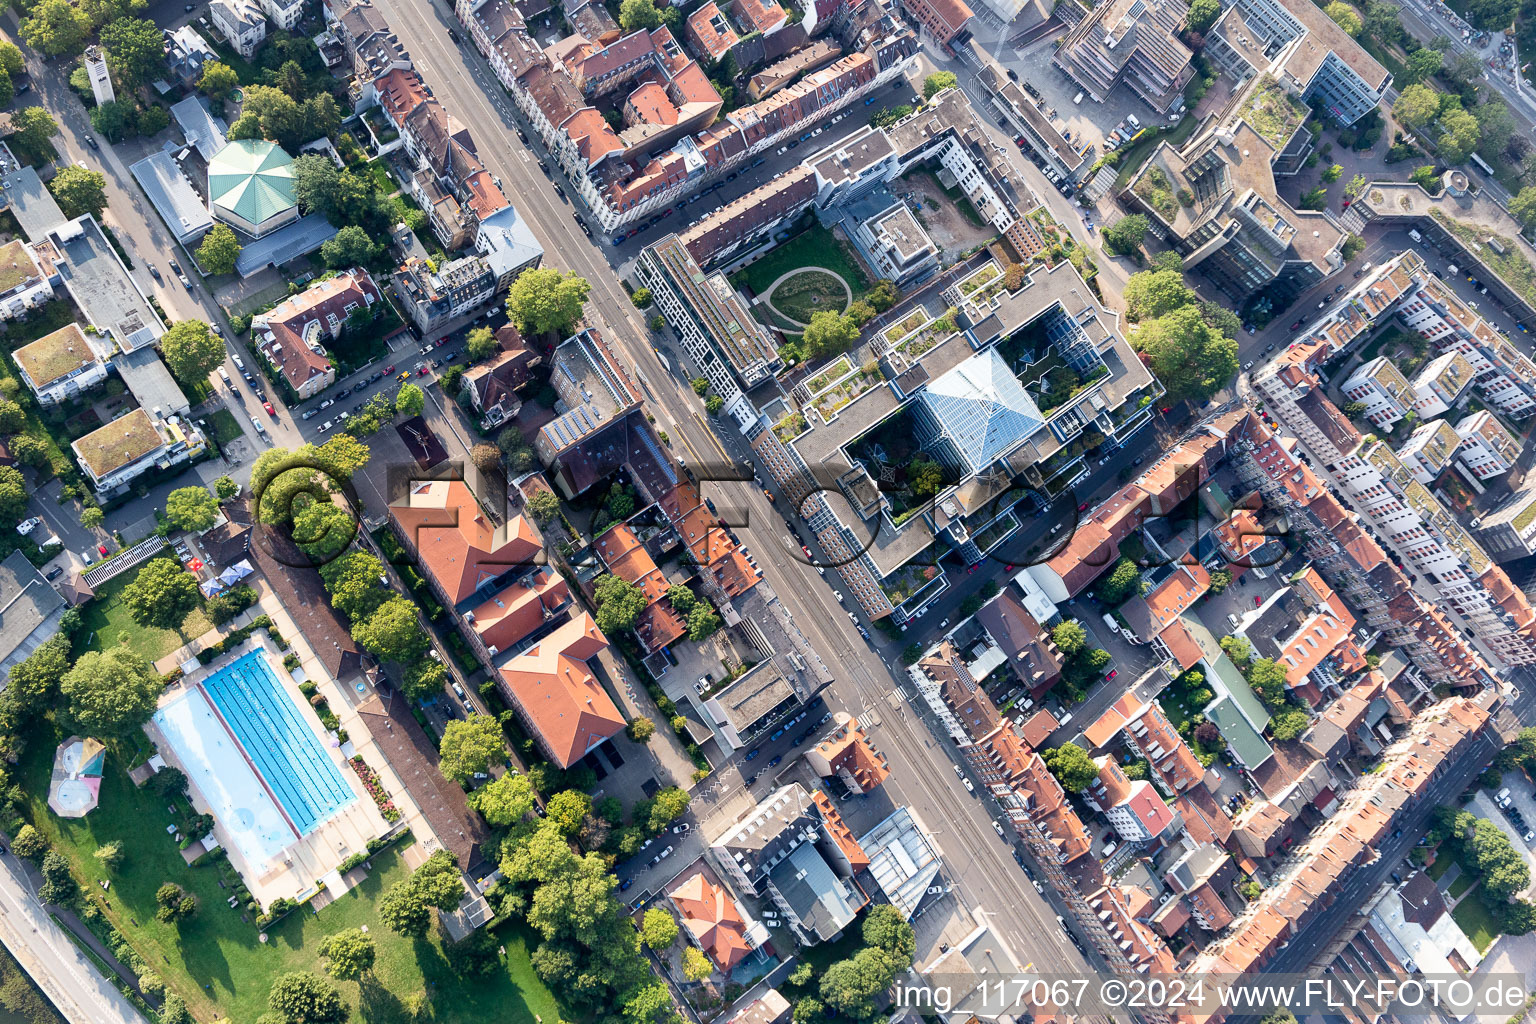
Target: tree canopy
[(392, 631), (192, 351), (135, 50), (32, 127), (1202, 15), (658, 929), (1069, 637), (109, 693), (1345, 17), (1072, 766), (79, 191), (348, 954), (300, 997), (504, 801), (191, 508), (1125, 235), (619, 603), (545, 300), (1153, 293), (161, 594), (1192, 359), (218, 80), (469, 746), (938, 82), (56, 27), (219, 250)]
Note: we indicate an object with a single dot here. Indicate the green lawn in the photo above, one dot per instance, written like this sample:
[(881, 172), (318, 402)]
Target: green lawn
[(108, 618), (1477, 921), (224, 426), (1441, 865), (1464, 881), (813, 247), (806, 294), (380, 173), (215, 959)]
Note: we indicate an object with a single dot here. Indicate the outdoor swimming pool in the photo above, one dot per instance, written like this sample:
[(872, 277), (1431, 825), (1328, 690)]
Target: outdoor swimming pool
[(284, 748), (244, 743)]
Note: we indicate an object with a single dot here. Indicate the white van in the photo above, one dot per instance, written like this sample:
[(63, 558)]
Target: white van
[(239, 363), (1078, 98), (1413, 233), (1232, 620), (224, 376), (1452, 268), (1109, 620)]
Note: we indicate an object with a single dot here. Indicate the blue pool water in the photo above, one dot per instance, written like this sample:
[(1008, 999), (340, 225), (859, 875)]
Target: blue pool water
[(286, 751)]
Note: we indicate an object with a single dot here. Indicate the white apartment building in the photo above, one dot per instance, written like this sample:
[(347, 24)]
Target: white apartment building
[(283, 14), (1487, 448), (23, 283), (60, 365), (1381, 387), (241, 22), (1429, 449)]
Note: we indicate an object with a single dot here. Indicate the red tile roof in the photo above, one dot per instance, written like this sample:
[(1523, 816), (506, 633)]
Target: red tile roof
[(849, 749), (710, 915), (558, 694), (485, 198), (292, 331), (710, 32), (1181, 644), (400, 90), (515, 612), (454, 541)]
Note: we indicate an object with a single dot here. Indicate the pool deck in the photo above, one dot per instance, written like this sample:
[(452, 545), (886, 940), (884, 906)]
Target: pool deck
[(343, 700), (291, 868)]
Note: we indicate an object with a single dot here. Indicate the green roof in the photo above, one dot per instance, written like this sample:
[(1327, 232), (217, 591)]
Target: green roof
[(253, 179), (1246, 745)]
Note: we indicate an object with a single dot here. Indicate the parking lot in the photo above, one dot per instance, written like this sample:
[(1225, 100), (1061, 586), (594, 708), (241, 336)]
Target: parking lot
[(1087, 120)]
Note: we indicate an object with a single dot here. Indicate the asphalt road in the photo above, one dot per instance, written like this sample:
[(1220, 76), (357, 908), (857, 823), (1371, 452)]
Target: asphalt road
[(48, 955), (921, 775)]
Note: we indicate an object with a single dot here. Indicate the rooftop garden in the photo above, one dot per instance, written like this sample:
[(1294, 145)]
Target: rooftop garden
[(790, 426), (900, 585), (985, 275), (827, 402), (1052, 383), (1273, 113), (906, 476), (914, 345), (814, 247), (909, 323), (1156, 190), (829, 374)]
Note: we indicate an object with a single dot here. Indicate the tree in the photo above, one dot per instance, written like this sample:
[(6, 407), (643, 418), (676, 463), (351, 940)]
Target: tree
[(682, 598), (851, 986), (1463, 67), (34, 681), (1422, 63), (218, 80), (1495, 125), (1069, 638), (544, 300), (353, 581), (161, 595), (1191, 359), (174, 1010), (714, 404), (135, 50), (1126, 235), (469, 746), (79, 191), (392, 632), (13, 493), (543, 506), (829, 333), (191, 508), (638, 14), (29, 451), (219, 250), (192, 350), (92, 518), (29, 843), (32, 127), (410, 401), (11, 60), (1267, 680), (696, 966), (225, 488), (348, 954), (317, 184), (862, 312), (352, 247), (703, 621), (567, 808), (1381, 22), (1459, 135), (175, 904), (641, 297), (938, 82), (1288, 724), (304, 998), (59, 886), (1072, 766), (1153, 293), (1202, 15), (1355, 187), (322, 529), (619, 603), (1522, 205), (404, 911), (12, 417), (925, 476), (884, 294), (1221, 579), (658, 929), (885, 929), (1123, 581), (1492, 15), (1416, 106), (1333, 173), (1425, 177), (667, 806), (504, 801), (55, 27), (641, 729), (1345, 17), (479, 344)]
